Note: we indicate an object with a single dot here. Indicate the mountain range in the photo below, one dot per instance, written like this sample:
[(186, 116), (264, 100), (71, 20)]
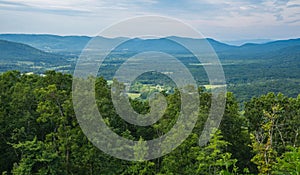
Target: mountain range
[(245, 41), (73, 45)]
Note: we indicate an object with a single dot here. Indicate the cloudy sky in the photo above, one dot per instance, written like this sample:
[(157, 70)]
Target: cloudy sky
[(219, 19)]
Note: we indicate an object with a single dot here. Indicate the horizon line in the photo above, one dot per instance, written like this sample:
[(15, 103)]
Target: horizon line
[(218, 40)]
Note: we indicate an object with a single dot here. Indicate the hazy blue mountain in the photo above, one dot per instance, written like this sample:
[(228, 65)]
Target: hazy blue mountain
[(172, 45), (262, 51), (280, 44), (70, 45), (14, 52), (270, 50), (50, 43), (73, 45), (245, 41)]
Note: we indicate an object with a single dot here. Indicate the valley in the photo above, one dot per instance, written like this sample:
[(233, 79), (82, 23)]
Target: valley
[(250, 69)]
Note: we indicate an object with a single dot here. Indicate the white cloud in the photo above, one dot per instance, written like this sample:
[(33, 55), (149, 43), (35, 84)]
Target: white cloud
[(210, 16)]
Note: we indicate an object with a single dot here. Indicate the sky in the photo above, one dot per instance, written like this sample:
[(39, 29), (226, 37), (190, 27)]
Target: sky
[(219, 19)]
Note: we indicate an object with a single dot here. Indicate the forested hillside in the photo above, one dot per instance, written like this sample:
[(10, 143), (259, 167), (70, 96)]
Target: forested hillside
[(18, 56), (14, 52), (40, 134)]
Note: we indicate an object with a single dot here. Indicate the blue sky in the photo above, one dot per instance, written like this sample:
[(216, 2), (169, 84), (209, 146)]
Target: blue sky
[(219, 19)]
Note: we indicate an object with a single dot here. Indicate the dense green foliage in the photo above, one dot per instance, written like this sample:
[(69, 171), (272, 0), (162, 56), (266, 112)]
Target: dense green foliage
[(40, 134)]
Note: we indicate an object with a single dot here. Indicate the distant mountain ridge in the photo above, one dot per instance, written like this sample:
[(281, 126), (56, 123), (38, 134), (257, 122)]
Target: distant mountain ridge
[(49, 43), (14, 52), (245, 41), (73, 45), (267, 50)]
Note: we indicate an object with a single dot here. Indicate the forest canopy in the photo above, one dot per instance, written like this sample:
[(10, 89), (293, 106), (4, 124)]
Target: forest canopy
[(40, 134)]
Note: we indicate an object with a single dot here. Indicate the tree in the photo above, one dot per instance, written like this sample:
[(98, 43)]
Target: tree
[(213, 159), (262, 143), (288, 163), (140, 167), (234, 130)]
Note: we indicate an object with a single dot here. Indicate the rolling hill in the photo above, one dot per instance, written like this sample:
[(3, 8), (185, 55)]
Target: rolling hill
[(14, 52), (50, 43), (22, 57)]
